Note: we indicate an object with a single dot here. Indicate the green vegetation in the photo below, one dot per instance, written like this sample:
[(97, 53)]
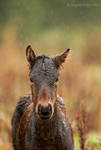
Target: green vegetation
[(33, 18)]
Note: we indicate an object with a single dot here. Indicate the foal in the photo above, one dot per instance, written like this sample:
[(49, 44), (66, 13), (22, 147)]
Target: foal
[(39, 120)]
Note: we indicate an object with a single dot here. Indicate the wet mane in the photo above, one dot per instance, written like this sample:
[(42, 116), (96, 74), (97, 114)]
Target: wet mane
[(43, 57)]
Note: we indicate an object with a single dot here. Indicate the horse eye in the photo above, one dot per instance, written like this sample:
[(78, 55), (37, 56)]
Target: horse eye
[(56, 80), (31, 80)]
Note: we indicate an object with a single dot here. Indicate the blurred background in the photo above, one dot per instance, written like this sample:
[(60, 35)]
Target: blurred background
[(51, 27)]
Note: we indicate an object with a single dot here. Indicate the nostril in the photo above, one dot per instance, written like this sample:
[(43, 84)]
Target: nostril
[(39, 108), (50, 107)]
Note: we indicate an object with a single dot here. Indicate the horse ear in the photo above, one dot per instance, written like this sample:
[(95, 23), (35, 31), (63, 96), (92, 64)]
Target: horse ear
[(61, 58), (30, 55)]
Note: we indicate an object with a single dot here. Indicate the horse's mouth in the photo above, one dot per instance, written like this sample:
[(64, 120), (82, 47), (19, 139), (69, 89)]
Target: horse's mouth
[(45, 117)]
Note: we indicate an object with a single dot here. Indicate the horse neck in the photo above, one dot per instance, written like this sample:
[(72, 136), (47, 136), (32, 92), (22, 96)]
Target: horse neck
[(47, 129)]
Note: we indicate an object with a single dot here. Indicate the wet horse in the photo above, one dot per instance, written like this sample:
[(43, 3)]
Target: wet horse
[(39, 121)]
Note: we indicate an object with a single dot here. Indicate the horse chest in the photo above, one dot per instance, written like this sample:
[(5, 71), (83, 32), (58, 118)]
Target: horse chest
[(48, 136)]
